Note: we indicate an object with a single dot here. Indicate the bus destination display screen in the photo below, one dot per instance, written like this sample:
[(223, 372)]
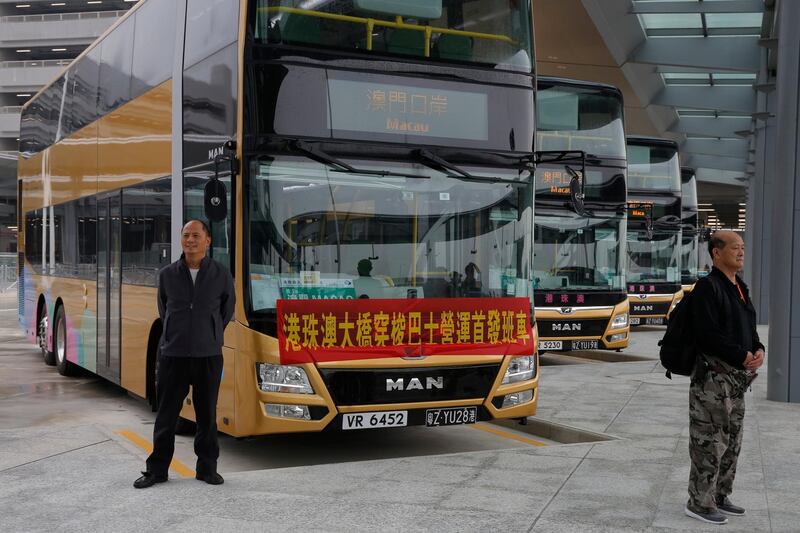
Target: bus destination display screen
[(387, 108)]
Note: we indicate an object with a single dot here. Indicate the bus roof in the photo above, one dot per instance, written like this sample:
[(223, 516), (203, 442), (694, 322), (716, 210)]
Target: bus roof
[(650, 141), (579, 83)]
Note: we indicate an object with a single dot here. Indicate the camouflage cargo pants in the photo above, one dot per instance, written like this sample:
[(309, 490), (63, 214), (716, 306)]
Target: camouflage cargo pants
[(716, 416)]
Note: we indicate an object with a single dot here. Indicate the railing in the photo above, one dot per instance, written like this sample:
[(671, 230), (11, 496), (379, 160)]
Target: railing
[(11, 109), (8, 271), (57, 17), (398, 23), (34, 63)]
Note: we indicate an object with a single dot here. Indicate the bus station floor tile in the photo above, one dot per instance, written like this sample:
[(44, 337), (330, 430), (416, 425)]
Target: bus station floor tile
[(64, 466)]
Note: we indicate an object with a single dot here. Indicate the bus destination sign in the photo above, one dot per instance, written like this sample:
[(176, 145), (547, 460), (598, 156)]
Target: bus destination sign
[(552, 181), (374, 107), (639, 209)]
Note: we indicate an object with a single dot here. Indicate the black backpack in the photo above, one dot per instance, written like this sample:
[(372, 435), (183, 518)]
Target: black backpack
[(678, 348)]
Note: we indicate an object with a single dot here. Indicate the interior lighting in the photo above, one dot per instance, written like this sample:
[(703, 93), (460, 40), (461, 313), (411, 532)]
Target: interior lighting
[(23, 50), (58, 4), (23, 5), (58, 49), (24, 95)]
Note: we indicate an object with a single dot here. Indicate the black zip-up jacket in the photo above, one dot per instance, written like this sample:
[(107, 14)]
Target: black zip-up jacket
[(194, 314), (724, 325)]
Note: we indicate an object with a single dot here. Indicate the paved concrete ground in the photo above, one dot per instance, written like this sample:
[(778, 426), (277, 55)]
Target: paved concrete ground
[(63, 467)]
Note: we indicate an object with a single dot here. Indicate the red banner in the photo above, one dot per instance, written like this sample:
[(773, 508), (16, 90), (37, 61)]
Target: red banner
[(340, 330)]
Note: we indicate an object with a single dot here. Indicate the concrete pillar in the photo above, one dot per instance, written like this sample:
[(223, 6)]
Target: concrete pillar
[(760, 195), (783, 379)]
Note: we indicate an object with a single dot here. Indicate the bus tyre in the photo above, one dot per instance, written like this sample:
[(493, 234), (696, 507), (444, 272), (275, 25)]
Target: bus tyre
[(41, 338), (64, 367), (184, 426)]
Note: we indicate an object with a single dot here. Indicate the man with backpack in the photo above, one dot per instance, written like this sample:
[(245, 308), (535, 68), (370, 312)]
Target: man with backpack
[(723, 320)]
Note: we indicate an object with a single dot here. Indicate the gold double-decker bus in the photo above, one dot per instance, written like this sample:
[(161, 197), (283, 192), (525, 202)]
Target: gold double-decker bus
[(579, 235), (654, 230), (366, 169), (690, 230)]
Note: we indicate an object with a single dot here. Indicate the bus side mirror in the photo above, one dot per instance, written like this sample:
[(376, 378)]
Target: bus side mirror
[(576, 191), (215, 194), (215, 200)]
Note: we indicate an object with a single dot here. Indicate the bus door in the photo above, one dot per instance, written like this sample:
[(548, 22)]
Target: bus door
[(108, 285)]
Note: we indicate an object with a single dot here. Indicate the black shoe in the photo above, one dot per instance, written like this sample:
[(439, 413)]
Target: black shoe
[(148, 479), (727, 507), (714, 517), (211, 479)]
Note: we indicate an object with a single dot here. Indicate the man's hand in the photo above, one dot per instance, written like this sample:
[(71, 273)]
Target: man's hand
[(754, 360)]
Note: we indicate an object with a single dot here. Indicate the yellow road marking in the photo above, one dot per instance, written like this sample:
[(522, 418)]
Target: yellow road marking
[(145, 444), (507, 435)]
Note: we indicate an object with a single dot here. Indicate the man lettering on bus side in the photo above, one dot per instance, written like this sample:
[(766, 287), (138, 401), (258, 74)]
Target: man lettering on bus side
[(725, 328), (195, 301)]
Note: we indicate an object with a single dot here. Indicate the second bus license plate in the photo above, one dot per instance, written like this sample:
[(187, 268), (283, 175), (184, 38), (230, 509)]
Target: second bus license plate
[(635, 320), (375, 419), (585, 345), (451, 416), (659, 321), (550, 345)]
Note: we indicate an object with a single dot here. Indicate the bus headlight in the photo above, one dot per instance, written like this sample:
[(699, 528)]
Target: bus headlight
[(283, 378), (620, 321), (520, 369)]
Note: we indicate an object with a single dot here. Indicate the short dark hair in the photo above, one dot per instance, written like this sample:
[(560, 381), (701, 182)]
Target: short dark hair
[(202, 223), (715, 242)]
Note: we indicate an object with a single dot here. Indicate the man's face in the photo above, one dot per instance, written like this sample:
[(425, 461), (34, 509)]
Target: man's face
[(731, 256), (194, 239)]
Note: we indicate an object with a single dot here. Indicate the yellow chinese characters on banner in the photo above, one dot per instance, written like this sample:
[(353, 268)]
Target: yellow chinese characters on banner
[(336, 330)]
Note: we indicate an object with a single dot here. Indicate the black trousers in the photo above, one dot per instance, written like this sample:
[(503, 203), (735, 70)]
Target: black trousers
[(174, 375)]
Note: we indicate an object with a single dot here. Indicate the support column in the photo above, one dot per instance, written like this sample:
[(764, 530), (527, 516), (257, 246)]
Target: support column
[(783, 378), (760, 195)]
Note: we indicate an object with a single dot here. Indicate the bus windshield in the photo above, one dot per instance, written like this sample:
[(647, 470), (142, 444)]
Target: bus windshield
[(653, 168), (689, 258), (580, 253), (497, 33), (653, 260), (579, 118), (318, 233)]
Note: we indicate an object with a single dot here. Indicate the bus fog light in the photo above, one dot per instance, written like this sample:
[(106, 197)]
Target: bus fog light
[(520, 369), (617, 337), (299, 412), (620, 321), (283, 378), (517, 398)]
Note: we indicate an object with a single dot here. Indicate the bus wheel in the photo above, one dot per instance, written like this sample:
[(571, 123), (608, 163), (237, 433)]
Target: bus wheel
[(64, 367), (41, 338)]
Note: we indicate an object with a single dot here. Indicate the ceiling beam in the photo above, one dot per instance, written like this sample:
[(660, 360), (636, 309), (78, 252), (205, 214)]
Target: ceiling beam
[(731, 6), (720, 163), (721, 177), (740, 54), (720, 148), (710, 127), (719, 98)]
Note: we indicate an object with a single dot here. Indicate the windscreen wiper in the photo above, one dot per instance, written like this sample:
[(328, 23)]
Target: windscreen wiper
[(436, 162), (340, 166)]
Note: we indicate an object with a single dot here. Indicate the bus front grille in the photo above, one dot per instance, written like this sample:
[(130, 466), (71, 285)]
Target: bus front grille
[(396, 385), (650, 308), (572, 327)]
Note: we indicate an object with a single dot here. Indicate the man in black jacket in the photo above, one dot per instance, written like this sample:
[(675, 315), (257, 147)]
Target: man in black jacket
[(724, 321), (195, 301)]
